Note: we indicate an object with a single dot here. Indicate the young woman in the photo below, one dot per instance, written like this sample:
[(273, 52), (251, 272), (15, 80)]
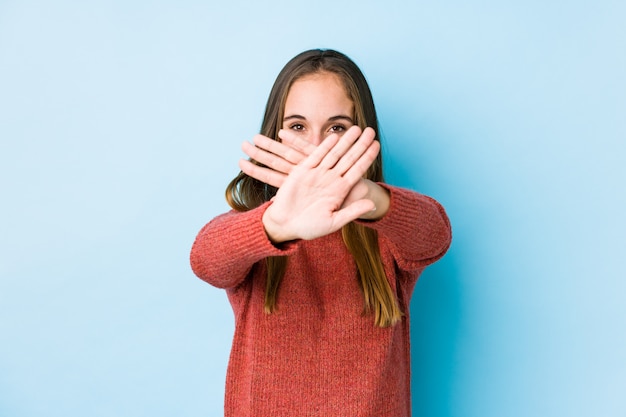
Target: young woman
[(319, 257)]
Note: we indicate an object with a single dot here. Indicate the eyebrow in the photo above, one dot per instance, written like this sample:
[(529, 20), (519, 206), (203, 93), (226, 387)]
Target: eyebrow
[(330, 119)]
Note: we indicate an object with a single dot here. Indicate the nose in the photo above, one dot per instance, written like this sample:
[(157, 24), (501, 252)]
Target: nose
[(316, 138)]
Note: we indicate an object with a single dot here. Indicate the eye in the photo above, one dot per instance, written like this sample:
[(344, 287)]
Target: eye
[(297, 127), (337, 129)]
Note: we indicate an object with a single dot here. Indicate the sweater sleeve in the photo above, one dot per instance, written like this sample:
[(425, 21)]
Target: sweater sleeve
[(415, 228), (225, 250)]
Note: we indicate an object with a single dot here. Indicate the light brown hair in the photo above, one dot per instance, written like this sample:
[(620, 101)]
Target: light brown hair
[(245, 193)]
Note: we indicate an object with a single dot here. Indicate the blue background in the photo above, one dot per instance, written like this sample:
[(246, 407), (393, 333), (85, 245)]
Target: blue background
[(121, 124)]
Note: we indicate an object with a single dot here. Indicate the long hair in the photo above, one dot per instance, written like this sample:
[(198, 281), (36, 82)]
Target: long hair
[(245, 193)]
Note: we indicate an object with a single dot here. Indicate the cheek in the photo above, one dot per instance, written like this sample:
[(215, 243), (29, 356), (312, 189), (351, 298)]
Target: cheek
[(306, 134)]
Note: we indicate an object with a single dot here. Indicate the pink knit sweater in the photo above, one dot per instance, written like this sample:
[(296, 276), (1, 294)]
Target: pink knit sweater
[(317, 354)]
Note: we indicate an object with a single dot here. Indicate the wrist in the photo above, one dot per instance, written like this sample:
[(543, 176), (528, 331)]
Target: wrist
[(380, 197), (275, 233)]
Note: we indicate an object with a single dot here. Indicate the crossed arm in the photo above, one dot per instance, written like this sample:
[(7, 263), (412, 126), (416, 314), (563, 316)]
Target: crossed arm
[(320, 188)]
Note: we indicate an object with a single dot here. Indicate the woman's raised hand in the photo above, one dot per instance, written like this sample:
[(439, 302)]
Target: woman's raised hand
[(313, 182)]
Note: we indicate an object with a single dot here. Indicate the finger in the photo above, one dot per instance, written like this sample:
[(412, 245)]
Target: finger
[(293, 140), (284, 151), (360, 167), (320, 152), (265, 175), (353, 212), (356, 151), (344, 144), (268, 159)]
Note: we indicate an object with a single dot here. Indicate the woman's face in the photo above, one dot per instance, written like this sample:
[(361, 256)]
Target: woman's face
[(317, 106)]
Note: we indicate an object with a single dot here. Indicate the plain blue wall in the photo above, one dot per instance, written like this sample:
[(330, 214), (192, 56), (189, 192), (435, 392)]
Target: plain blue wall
[(120, 125)]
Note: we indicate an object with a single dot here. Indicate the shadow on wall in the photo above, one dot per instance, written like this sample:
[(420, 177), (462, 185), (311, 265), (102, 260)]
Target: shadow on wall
[(436, 314), (435, 323), (437, 303)]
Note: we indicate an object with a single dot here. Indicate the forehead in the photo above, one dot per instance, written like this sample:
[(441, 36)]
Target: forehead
[(321, 79), (319, 89)]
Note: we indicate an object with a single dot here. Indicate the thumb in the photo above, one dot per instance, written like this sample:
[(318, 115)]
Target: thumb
[(353, 211)]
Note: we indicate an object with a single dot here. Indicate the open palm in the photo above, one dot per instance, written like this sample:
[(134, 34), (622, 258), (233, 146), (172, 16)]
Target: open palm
[(312, 197)]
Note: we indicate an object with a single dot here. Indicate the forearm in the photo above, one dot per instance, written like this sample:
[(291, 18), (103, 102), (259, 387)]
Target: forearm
[(415, 226), (227, 247)]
